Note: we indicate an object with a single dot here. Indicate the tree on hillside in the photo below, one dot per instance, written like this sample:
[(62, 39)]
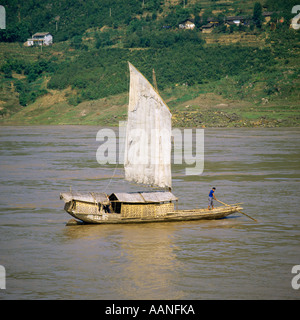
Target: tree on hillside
[(257, 15)]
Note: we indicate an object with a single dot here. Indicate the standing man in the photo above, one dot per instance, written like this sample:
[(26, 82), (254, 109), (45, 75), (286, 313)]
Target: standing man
[(211, 197)]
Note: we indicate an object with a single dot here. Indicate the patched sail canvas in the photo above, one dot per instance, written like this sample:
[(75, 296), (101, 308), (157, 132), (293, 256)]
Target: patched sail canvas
[(148, 134)]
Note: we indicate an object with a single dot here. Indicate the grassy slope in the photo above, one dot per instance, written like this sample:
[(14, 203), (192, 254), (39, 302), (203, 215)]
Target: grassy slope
[(198, 106), (218, 103)]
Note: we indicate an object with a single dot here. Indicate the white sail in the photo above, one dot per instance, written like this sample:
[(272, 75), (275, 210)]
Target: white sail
[(148, 134)]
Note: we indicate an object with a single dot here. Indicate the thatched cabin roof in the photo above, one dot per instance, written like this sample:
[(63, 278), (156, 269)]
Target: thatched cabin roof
[(85, 197), (126, 197), (143, 197)]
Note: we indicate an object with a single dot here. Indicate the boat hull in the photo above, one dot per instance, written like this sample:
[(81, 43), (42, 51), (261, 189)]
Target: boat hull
[(177, 215)]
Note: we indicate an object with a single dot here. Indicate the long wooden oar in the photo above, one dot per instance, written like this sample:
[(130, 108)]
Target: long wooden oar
[(237, 210)]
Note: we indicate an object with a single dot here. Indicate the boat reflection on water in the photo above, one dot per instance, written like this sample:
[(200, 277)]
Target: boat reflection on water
[(143, 262)]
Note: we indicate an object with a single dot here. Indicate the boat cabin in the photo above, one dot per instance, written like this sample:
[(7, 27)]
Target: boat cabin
[(142, 204), (90, 203), (127, 205)]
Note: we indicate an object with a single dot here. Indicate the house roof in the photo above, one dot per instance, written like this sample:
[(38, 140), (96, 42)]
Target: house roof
[(187, 20), (207, 26), (267, 13), (235, 18), (41, 34), (231, 23), (143, 197)]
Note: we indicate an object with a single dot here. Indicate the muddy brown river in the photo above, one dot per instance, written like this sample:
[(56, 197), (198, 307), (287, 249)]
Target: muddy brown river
[(232, 258)]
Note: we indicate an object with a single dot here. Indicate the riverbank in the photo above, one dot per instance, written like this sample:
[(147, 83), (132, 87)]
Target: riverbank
[(189, 108)]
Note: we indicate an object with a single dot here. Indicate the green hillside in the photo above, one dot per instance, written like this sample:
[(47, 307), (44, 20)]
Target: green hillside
[(235, 76)]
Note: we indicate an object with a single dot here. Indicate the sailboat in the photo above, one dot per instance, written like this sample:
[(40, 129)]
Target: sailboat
[(147, 161)]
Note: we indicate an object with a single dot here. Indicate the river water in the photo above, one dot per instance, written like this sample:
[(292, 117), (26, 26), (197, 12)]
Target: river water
[(232, 258)]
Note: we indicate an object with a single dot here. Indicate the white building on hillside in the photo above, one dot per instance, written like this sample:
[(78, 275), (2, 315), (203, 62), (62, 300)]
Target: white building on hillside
[(40, 39), (187, 24)]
